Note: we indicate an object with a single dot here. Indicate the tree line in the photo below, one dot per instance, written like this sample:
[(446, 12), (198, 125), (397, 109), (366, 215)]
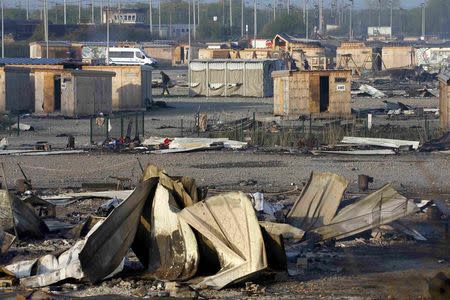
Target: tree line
[(214, 18)]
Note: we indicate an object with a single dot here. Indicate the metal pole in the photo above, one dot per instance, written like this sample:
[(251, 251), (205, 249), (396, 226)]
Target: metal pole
[(242, 17), (231, 16), (307, 21), (150, 15), (189, 53), (46, 26), (379, 13), (107, 32), (350, 26), (3, 28), (194, 9), (28, 9), (255, 22), (423, 21), (321, 16), (198, 13), (170, 25), (159, 18), (79, 11), (288, 7), (390, 22), (274, 4), (65, 12), (304, 10), (92, 12)]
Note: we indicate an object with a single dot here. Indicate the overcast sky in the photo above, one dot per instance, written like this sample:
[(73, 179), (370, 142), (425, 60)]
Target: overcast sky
[(36, 3)]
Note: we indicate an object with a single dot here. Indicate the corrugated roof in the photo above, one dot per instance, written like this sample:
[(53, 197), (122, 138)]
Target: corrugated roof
[(36, 61), (295, 39)]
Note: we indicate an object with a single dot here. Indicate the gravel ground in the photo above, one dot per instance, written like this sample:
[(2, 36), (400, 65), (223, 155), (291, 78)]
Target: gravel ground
[(369, 270)]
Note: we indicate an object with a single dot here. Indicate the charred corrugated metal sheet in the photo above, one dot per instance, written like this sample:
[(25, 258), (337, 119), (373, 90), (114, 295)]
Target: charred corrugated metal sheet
[(318, 202)]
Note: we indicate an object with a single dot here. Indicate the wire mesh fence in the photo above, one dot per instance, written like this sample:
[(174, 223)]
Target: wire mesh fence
[(10, 124), (124, 126), (308, 130)]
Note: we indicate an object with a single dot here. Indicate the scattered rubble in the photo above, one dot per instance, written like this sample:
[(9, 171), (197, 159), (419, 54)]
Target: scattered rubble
[(179, 235), (440, 144)]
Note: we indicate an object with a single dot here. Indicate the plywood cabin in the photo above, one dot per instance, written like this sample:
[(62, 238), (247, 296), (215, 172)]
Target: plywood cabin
[(55, 50), (16, 89), (299, 93), (247, 78), (263, 53), (73, 93), (444, 101), (131, 87), (207, 53), (163, 53), (355, 56), (300, 49), (20, 80), (398, 57)]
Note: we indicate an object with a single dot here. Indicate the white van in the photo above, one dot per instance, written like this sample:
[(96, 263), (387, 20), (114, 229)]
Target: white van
[(130, 56)]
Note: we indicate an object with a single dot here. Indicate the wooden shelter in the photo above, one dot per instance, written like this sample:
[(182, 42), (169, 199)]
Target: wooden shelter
[(444, 101), (16, 89), (398, 57), (312, 92), (73, 93), (131, 87)]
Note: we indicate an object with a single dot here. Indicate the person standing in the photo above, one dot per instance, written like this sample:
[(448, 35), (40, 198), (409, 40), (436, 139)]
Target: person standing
[(165, 83)]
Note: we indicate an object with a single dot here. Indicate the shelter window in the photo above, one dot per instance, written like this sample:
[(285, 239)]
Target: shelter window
[(340, 79)]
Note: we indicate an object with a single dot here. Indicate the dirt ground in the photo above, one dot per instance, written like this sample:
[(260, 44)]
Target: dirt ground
[(363, 268)]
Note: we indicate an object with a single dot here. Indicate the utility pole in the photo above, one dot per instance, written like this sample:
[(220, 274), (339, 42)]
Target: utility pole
[(304, 10), (3, 28), (379, 13), (223, 13), (255, 22), (274, 9), (107, 31), (159, 18), (28, 10), (231, 16), (198, 13), (307, 19), (150, 15), (92, 12), (288, 6), (350, 25), (46, 26), (65, 12), (194, 9), (242, 17), (189, 53), (423, 22), (321, 16), (391, 21), (170, 24), (79, 11)]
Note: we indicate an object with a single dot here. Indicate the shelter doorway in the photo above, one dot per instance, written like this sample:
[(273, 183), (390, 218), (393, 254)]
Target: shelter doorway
[(57, 93), (324, 93)]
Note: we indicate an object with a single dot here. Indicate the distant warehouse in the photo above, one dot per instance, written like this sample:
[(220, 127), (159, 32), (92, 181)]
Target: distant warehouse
[(247, 78)]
